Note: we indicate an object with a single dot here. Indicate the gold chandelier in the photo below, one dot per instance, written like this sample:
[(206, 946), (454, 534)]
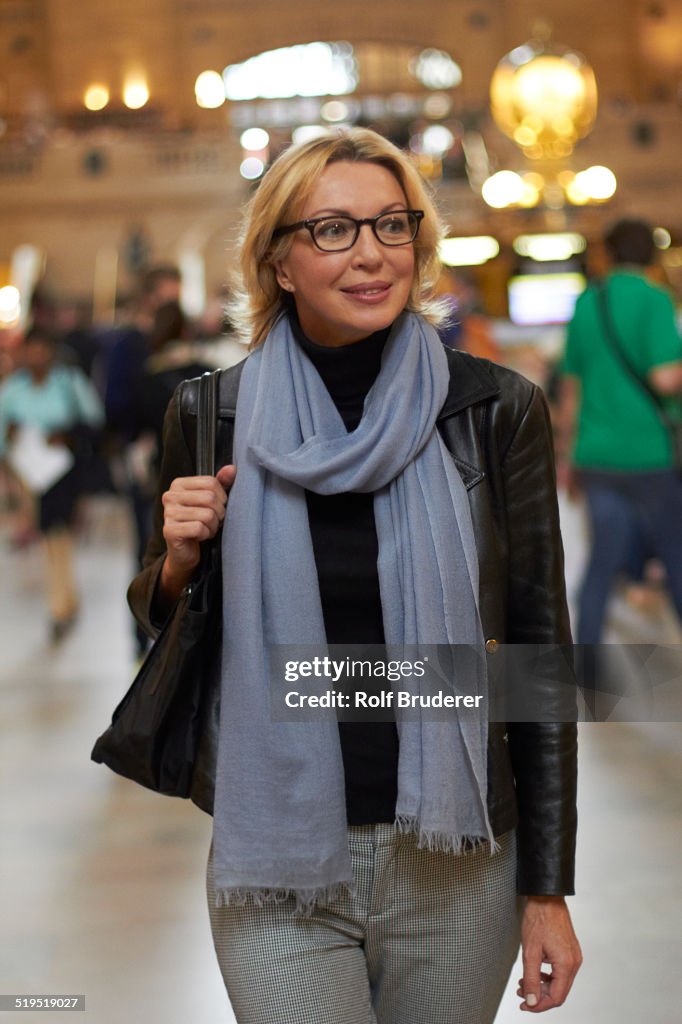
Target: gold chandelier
[(544, 97)]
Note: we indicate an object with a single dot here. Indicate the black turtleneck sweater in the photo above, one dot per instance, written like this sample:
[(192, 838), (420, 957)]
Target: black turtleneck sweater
[(345, 547)]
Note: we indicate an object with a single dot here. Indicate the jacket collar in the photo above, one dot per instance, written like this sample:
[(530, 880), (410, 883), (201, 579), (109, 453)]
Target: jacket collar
[(470, 382)]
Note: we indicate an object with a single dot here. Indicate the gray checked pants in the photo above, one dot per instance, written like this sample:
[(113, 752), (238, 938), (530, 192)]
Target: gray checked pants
[(428, 938)]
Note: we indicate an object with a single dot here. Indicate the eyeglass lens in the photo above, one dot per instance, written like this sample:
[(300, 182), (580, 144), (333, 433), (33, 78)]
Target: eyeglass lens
[(336, 233)]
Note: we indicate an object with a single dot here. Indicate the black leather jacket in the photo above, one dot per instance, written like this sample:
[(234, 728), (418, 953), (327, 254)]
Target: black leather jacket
[(496, 426)]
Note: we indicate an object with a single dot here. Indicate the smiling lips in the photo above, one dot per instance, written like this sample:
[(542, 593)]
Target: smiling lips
[(369, 292)]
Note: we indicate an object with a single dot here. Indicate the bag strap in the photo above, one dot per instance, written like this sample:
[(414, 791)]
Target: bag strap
[(614, 342), (207, 415)]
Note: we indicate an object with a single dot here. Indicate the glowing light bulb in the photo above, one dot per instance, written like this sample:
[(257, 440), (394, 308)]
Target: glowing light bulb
[(96, 97), (254, 139), (135, 93), (437, 139), (251, 168), (506, 188), (209, 90), (599, 182), (334, 110), (10, 305), (307, 132), (468, 252)]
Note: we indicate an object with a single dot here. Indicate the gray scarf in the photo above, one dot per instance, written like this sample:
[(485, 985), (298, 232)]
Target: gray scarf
[(280, 816)]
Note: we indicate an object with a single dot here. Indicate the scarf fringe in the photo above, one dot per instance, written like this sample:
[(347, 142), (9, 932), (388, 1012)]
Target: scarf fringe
[(442, 842), (306, 899)]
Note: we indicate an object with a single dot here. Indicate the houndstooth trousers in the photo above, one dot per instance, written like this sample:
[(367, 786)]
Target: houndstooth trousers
[(427, 938)]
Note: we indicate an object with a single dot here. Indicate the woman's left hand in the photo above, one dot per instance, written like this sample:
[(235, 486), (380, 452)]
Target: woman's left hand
[(547, 936)]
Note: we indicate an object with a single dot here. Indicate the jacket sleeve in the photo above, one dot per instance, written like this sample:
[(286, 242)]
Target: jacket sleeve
[(176, 461), (543, 754)]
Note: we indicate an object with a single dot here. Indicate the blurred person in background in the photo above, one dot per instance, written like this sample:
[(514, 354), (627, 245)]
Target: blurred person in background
[(223, 345), (374, 870), (45, 405), (16, 501), (174, 357), (466, 327), (611, 430), (128, 348), (129, 344), (74, 325)]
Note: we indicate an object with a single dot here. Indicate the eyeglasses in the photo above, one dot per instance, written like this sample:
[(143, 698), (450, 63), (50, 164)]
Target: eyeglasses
[(336, 234)]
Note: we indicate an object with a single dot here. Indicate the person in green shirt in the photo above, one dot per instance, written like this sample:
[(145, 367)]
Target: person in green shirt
[(617, 440)]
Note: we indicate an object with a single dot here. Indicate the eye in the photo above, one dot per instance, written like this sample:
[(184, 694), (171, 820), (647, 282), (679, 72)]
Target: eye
[(333, 229), (395, 224)]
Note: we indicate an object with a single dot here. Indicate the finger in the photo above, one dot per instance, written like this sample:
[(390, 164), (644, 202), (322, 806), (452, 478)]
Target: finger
[(190, 493), (560, 984), (208, 497), (210, 517), (553, 992), (204, 528), (544, 985), (192, 483), (544, 1003), (226, 475), (179, 532), (530, 983), (544, 976)]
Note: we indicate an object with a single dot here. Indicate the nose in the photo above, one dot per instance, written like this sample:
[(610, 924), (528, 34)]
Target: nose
[(368, 250)]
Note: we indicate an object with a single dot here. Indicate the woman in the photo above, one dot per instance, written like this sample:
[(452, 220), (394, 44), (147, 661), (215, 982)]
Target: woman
[(60, 405), (336, 891)]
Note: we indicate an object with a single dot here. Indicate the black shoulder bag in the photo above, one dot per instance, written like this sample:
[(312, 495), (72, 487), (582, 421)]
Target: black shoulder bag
[(156, 731), (674, 427)]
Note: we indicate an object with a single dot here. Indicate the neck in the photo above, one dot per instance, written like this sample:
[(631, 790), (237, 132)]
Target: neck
[(629, 268)]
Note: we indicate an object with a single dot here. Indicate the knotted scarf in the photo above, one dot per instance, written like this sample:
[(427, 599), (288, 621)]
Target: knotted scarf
[(280, 817)]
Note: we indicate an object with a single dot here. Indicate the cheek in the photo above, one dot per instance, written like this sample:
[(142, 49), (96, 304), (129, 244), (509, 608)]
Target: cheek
[(308, 272), (406, 268), (322, 273)]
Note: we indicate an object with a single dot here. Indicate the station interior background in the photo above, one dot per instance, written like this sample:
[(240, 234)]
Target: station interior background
[(112, 157)]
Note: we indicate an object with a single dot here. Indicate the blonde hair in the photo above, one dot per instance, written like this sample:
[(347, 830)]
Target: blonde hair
[(258, 299)]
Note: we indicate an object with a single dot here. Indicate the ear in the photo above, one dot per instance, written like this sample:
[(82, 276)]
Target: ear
[(283, 279)]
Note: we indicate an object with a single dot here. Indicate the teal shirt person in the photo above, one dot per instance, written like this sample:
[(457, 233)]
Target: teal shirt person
[(618, 426), (58, 403)]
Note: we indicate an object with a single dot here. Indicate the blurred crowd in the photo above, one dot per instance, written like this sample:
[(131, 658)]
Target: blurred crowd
[(82, 406), (81, 412)]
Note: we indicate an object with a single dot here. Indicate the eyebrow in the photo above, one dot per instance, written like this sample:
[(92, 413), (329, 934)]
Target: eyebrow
[(332, 212)]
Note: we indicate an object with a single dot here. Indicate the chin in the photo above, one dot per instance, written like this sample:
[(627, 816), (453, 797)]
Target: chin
[(343, 329), (375, 320)]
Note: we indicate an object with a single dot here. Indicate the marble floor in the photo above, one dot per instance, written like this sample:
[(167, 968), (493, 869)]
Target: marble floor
[(101, 883)]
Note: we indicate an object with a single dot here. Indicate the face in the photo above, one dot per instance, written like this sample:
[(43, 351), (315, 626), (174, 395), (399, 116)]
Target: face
[(342, 297), (38, 356)]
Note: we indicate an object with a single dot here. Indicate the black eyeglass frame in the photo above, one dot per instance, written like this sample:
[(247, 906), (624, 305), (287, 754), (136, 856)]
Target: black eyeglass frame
[(310, 224)]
